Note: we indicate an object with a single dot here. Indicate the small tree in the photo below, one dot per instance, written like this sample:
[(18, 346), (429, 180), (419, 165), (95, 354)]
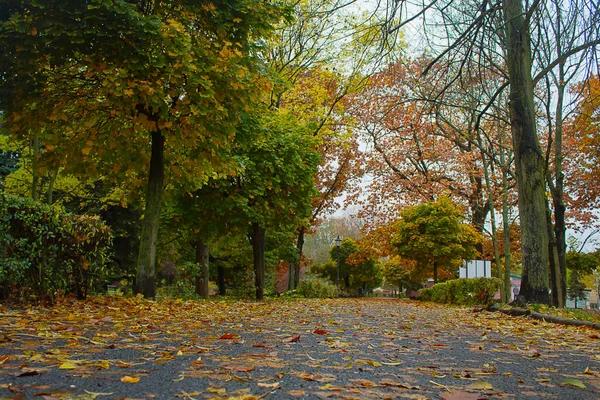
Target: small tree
[(434, 235), (397, 271)]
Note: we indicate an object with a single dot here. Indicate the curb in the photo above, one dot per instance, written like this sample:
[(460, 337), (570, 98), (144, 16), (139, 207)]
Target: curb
[(519, 312)]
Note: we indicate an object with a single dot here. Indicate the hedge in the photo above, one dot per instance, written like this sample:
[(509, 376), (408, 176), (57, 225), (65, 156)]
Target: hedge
[(468, 292), (46, 251)]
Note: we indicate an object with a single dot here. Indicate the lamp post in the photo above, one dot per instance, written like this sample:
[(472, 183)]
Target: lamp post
[(338, 243)]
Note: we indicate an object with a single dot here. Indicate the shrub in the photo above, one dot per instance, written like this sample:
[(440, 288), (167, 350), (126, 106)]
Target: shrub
[(317, 288), (47, 251), (466, 292)]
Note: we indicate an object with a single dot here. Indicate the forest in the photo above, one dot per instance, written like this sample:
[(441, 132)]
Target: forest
[(210, 148)]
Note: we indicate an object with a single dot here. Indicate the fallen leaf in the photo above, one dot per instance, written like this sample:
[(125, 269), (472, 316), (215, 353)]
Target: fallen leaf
[(296, 393), (480, 386), (320, 332), (574, 382), (130, 379), (292, 339), (227, 336), (269, 385), (67, 365), (364, 382)]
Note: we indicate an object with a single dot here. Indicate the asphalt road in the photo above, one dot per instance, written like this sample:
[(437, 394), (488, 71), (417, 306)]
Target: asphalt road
[(348, 349)]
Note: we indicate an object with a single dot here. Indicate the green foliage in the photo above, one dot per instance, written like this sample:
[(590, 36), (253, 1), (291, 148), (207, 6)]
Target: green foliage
[(396, 272), (47, 251), (433, 234), (467, 292), (583, 263), (312, 287), (576, 290)]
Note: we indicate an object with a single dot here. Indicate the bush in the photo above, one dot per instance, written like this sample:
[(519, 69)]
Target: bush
[(468, 292), (47, 251), (317, 288)]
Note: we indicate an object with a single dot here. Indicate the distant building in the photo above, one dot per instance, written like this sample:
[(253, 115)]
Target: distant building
[(476, 269)]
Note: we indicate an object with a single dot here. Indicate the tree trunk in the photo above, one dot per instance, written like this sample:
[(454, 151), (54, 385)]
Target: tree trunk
[(507, 288), (555, 275), (529, 160), (299, 246), (492, 211), (435, 274), (145, 278), (221, 280), (258, 248), (557, 191), (291, 283), (35, 167), (202, 261)]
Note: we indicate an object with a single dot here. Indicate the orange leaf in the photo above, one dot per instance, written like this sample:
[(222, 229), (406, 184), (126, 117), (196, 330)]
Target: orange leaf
[(130, 379), (229, 336), (320, 332)]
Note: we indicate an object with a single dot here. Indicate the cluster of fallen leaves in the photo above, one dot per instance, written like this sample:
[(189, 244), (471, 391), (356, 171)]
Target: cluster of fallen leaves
[(117, 347)]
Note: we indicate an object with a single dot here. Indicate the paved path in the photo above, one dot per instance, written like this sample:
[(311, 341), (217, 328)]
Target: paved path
[(348, 349)]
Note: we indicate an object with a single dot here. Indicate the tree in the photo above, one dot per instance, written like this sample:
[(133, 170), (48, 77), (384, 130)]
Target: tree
[(481, 34), (397, 271), (433, 235), (143, 77)]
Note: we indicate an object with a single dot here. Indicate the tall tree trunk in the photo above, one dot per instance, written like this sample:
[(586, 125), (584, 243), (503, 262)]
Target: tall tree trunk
[(529, 160), (299, 246), (258, 248), (221, 280), (146, 264), (202, 262), (507, 288), (435, 272), (478, 208), (492, 211), (557, 190), (506, 236), (556, 277), (35, 167)]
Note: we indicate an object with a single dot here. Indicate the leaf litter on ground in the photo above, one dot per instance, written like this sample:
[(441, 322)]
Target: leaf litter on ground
[(366, 348)]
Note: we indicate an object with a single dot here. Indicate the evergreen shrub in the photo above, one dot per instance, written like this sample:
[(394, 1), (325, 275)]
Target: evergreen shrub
[(467, 292), (316, 288), (46, 251)]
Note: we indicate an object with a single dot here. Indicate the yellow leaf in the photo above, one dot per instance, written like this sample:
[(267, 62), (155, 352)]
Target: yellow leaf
[(128, 92), (67, 365), (480, 386), (219, 391), (86, 150), (93, 395), (130, 379)]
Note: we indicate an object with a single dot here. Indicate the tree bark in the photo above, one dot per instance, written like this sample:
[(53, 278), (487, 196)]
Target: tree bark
[(221, 280), (258, 248), (299, 246), (529, 160), (202, 262), (435, 272), (555, 275), (146, 264)]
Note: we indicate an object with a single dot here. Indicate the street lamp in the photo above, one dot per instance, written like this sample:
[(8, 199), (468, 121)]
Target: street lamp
[(338, 243)]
